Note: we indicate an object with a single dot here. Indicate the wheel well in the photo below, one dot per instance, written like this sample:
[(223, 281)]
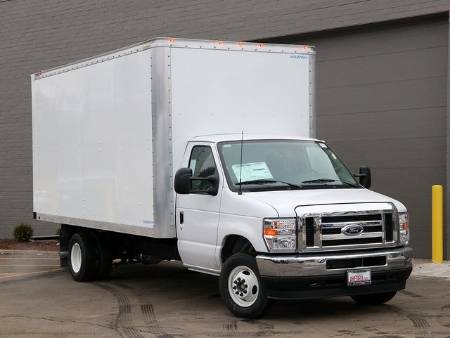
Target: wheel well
[(234, 244)]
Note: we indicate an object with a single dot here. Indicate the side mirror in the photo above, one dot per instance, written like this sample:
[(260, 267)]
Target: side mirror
[(185, 183), (205, 185), (365, 177), (182, 181)]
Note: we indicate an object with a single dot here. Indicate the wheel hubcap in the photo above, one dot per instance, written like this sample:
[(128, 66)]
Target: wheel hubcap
[(75, 257), (243, 286)]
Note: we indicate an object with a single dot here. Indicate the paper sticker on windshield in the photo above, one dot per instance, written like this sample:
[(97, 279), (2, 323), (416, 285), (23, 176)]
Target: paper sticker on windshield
[(323, 145), (252, 171)]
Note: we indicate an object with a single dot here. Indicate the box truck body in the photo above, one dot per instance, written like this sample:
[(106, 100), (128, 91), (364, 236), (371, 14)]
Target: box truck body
[(109, 132), (204, 152)]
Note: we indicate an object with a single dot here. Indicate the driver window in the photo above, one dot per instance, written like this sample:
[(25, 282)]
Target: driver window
[(202, 165)]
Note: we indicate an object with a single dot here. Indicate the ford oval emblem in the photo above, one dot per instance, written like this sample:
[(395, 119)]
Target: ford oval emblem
[(352, 229)]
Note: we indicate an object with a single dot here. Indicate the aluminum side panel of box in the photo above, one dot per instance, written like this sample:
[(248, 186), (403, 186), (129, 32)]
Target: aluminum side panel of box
[(163, 193)]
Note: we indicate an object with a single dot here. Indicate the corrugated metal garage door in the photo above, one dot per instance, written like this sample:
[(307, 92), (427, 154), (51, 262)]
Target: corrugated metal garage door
[(381, 101)]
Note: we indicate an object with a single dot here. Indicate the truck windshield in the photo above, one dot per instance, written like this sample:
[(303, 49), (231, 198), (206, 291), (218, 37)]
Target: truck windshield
[(283, 164)]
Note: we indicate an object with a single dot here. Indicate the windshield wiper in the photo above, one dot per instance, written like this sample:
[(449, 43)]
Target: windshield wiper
[(321, 180), (351, 184), (263, 181), (329, 180)]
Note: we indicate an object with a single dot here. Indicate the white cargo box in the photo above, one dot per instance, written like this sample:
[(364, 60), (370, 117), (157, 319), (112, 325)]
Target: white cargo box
[(109, 132)]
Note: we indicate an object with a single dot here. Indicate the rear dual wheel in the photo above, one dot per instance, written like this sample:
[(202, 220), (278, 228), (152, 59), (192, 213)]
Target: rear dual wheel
[(104, 256), (89, 258)]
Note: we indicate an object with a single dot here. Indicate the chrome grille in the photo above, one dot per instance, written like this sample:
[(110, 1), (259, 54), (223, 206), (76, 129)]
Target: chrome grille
[(346, 231), (368, 223)]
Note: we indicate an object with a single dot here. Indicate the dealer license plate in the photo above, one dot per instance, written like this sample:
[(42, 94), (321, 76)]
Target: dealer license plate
[(359, 277)]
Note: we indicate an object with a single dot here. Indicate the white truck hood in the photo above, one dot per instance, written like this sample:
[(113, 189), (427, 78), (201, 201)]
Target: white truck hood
[(285, 201)]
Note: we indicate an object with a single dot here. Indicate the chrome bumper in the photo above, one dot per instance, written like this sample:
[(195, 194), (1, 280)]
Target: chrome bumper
[(316, 265)]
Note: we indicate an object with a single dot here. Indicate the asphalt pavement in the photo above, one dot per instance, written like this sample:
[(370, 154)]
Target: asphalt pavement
[(38, 299)]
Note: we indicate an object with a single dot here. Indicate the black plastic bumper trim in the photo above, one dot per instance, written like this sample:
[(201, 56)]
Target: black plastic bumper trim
[(296, 288)]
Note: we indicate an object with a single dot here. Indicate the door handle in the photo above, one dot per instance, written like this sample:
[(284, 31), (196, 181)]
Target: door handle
[(181, 217)]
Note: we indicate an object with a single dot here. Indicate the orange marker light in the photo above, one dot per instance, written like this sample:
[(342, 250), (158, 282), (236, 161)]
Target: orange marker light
[(270, 232)]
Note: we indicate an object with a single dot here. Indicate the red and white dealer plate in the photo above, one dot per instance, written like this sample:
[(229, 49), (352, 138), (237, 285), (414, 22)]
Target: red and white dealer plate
[(359, 277)]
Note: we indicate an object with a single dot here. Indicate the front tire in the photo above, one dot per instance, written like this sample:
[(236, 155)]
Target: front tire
[(374, 299), (82, 257), (241, 286)]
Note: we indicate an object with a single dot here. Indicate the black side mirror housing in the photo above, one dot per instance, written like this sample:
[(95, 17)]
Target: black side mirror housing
[(365, 177), (182, 181)]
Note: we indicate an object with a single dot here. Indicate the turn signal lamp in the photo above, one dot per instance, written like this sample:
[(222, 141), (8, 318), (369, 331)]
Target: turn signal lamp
[(403, 221), (280, 234)]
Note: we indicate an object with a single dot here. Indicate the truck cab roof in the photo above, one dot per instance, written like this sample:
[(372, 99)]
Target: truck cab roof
[(216, 138)]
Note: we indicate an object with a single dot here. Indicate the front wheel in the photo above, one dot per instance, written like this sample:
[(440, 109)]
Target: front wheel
[(241, 287), (374, 299)]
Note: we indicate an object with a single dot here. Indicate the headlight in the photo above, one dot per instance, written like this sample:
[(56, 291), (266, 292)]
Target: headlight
[(404, 227), (280, 234)]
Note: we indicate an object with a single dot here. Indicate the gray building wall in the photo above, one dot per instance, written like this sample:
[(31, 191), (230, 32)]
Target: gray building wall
[(382, 101), (36, 35)]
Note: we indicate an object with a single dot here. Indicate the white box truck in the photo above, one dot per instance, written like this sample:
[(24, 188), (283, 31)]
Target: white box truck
[(204, 152)]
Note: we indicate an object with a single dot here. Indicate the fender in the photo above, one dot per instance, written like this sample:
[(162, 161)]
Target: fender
[(247, 227)]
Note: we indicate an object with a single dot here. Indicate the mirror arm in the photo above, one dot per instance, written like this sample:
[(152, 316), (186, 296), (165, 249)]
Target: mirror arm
[(212, 179), (209, 178)]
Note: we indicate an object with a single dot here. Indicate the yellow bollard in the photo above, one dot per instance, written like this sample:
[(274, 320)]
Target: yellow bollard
[(437, 198)]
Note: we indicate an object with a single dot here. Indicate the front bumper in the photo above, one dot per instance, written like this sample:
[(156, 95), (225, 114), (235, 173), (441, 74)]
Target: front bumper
[(313, 276)]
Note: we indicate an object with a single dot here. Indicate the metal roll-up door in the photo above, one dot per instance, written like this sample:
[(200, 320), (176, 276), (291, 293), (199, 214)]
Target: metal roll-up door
[(381, 101)]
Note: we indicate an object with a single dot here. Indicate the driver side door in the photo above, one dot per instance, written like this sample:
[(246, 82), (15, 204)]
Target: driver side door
[(198, 211)]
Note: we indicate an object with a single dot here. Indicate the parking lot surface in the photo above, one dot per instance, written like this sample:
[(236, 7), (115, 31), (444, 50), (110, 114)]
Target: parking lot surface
[(37, 299)]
